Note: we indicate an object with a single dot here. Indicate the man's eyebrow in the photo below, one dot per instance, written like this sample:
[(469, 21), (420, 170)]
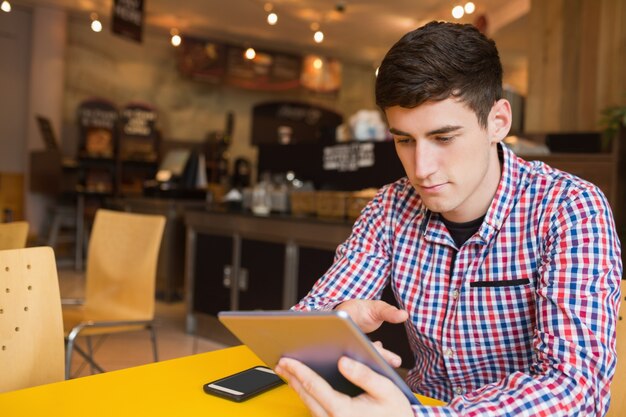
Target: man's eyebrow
[(439, 131), (398, 132), (444, 129)]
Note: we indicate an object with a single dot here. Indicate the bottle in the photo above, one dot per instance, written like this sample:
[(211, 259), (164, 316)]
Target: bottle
[(262, 196)]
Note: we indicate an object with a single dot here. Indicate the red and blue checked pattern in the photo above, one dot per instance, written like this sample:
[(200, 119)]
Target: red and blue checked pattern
[(520, 320)]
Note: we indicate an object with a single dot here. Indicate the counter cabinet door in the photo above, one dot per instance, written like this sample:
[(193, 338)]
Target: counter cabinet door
[(261, 275), (213, 257)]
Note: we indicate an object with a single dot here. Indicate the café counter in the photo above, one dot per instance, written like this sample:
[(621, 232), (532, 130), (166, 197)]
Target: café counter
[(239, 261)]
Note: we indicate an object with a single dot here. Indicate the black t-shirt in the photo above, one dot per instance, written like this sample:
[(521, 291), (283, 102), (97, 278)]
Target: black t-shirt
[(460, 232)]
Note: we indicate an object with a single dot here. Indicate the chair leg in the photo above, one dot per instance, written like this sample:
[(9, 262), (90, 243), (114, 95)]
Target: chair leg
[(69, 348), (90, 353), (89, 360), (154, 342)]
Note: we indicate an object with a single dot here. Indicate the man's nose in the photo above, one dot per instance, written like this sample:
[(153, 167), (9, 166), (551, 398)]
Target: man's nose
[(425, 159)]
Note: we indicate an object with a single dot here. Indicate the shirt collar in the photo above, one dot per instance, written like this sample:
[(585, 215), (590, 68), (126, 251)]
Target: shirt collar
[(506, 193)]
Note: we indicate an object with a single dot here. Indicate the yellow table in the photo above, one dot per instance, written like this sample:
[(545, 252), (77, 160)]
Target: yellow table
[(170, 388)]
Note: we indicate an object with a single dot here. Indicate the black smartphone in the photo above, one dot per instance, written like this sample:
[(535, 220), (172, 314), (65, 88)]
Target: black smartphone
[(245, 384)]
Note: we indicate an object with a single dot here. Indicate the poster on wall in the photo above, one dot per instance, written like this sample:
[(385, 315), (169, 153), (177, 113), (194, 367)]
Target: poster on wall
[(202, 60), (127, 19), (266, 71)]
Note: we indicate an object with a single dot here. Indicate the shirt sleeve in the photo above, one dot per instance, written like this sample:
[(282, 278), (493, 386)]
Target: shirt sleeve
[(361, 266), (577, 300)]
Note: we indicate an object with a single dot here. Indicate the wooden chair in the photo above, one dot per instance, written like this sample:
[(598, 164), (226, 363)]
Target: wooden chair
[(13, 235), (31, 328), (120, 281), (618, 386)]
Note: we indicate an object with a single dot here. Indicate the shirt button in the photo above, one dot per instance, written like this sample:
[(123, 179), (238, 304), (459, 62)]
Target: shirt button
[(449, 353), (455, 294), (458, 390)]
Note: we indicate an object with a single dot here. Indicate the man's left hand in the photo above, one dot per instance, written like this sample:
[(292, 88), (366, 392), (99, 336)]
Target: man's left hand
[(381, 396)]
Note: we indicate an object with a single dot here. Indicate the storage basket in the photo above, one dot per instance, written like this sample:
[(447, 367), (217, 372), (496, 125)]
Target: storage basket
[(302, 202), (358, 200), (331, 203)]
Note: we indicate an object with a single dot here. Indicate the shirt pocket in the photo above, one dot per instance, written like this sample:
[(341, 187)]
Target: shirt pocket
[(497, 319)]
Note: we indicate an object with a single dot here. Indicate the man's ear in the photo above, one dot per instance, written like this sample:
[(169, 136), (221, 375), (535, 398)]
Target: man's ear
[(500, 118)]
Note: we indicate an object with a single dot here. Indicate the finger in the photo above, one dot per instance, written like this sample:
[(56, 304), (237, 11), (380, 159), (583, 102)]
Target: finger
[(314, 407), (386, 312), (390, 357), (374, 384), (316, 393)]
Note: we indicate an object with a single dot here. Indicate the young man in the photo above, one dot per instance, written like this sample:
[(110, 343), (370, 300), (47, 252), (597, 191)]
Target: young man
[(506, 272)]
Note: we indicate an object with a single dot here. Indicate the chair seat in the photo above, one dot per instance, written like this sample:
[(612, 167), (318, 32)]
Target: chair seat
[(77, 314)]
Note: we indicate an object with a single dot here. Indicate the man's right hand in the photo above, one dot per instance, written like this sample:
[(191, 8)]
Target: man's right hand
[(369, 315)]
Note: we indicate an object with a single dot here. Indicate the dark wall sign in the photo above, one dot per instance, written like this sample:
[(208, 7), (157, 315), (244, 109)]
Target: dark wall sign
[(127, 19), (293, 122)]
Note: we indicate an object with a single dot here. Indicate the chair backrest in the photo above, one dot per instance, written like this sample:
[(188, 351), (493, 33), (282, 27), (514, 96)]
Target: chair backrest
[(121, 265), (13, 235), (618, 386), (31, 323)]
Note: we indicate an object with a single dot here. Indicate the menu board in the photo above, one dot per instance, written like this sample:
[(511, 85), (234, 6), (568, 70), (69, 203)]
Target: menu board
[(97, 119), (218, 62), (138, 135)]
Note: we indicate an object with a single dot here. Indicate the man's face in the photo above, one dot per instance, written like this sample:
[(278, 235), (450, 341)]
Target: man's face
[(451, 161)]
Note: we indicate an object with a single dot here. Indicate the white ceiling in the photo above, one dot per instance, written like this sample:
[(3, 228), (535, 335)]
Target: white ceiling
[(362, 33)]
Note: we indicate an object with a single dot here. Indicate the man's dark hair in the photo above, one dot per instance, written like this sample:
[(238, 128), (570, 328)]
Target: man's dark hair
[(438, 61)]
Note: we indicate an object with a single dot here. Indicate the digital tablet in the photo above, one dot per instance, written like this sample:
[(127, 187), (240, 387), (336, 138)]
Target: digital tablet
[(317, 339)]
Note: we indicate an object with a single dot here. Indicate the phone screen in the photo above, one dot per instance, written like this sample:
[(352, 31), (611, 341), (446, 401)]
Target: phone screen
[(245, 384)]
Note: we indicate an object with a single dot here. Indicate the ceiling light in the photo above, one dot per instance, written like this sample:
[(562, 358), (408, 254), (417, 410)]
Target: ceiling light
[(5, 6), (250, 53), (272, 18), (176, 39), (469, 7), (318, 36), (458, 12), (96, 25), (318, 63)]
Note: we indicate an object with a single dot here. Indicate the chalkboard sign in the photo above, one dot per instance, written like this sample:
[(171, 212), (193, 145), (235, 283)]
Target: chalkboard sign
[(293, 122), (138, 135), (97, 122)]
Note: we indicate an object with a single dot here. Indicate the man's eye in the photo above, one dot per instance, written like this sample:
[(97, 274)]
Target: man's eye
[(403, 140), (444, 138)]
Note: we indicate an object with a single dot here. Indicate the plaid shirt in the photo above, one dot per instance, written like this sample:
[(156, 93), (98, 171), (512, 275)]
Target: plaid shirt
[(518, 321)]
